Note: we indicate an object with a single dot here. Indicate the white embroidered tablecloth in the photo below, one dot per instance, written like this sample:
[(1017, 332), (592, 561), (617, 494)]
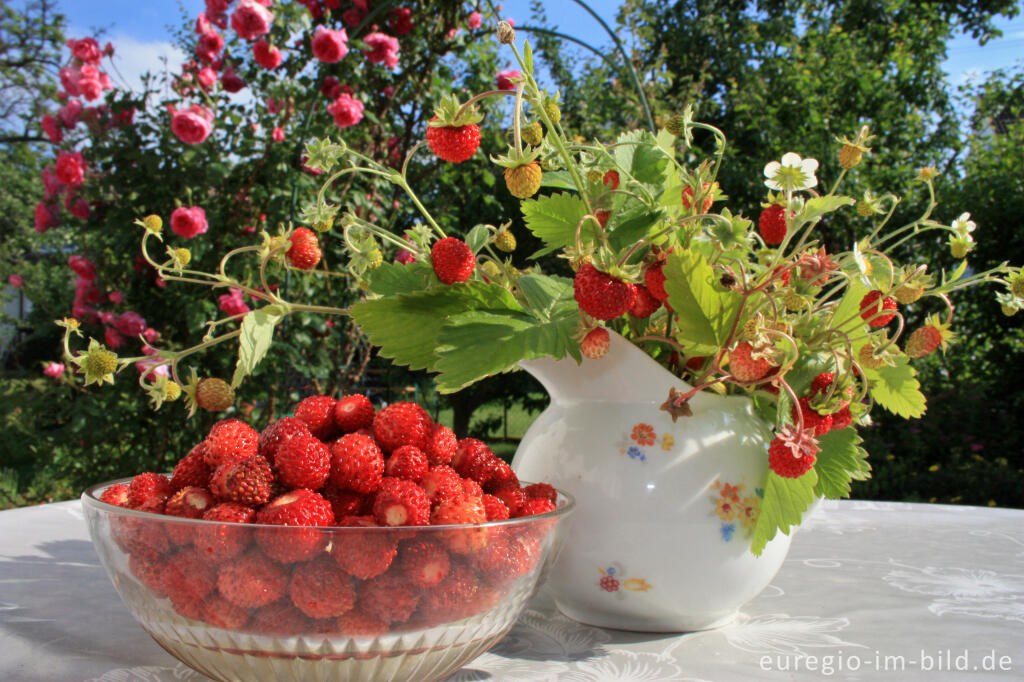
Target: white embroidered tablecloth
[(882, 591)]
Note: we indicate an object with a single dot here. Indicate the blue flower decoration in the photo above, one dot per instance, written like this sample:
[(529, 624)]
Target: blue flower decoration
[(610, 570), (727, 530), (636, 453)]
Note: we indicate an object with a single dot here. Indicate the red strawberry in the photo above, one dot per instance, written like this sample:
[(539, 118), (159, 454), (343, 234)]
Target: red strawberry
[(452, 259), (424, 562), (611, 180), (785, 463), (501, 474), (361, 554), (654, 278), (454, 143), (842, 419), (772, 224), (148, 568), (923, 340), (248, 481), (146, 487), (442, 483), (353, 412), (192, 470), (345, 502), (537, 505), (230, 440), (185, 574), (356, 463), (389, 597), (441, 445), (222, 541), (251, 580), (602, 296), (189, 503), (870, 310), (543, 490), (278, 433), (401, 424), (407, 462), (821, 423), (454, 596), (399, 502), (303, 508), (821, 383), (646, 303), (595, 344), (304, 253), (355, 623), (116, 495), (506, 557), (512, 496), (602, 216), (320, 589), (744, 367), (471, 488), (472, 459), (687, 197), (220, 613), (494, 508), (280, 618), (465, 511), (318, 413), (303, 462)]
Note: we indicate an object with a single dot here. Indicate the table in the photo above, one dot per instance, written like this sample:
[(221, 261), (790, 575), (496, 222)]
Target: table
[(870, 590)]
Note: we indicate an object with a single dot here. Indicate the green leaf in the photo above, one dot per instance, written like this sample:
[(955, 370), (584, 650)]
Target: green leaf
[(649, 162), (546, 295), (785, 500), (846, 316), (558, 180), (389, 279), (896, 389), (528, 56), (631, 226), (815, 208), (477, 237), (840, 461), (625, 147), (254, 341), (708, 312), (406, 326), (553, 219)]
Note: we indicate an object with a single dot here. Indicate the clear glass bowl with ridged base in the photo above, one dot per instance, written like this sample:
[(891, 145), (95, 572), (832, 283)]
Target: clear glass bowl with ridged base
[(257, 602)]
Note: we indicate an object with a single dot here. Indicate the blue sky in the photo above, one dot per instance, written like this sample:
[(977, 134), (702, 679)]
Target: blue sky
[(140, 31)]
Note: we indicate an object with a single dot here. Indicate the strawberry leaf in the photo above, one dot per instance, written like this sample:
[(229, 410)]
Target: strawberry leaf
[(896, 389), (785, 500), (846, 316), (709, 313), (394, 278), (840, 461), (257, 332), (817, 207), (554, 218), (547, 296)]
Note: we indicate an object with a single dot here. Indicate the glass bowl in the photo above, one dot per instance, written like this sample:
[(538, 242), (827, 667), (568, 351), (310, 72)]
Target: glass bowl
[(260, 602)]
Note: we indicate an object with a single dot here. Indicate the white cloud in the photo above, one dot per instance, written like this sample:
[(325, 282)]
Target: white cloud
[(133, 58)]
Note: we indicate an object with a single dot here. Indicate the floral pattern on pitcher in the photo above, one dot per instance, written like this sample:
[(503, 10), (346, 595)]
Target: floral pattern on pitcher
[(615, 581), (736, 510), (641, 437)]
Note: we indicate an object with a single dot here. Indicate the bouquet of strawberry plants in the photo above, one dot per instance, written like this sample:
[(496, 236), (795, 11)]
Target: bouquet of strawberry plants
[(648, 248)]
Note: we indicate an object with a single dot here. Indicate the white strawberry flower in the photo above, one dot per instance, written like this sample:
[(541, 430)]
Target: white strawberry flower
[(792, 173), (963, 226)]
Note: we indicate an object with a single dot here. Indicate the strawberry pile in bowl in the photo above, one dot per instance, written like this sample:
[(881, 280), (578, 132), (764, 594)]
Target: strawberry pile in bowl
[(339, 543)]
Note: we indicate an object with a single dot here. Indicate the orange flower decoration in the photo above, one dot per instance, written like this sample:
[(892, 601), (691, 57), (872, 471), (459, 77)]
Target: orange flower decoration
[(644, 434)]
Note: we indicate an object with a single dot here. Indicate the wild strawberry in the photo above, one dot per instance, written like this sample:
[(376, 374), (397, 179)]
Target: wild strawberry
[(185, 573), (791, 454), (472, 459), (192, 469), (537, 505), (595, 344), (465, 511), (611, 180), (320, 589), (389, 597), (280, 618), (116, 495), (494, 508), (744, 367), (304, 253), (533, 134), (361, 554), (512, 496), (453, 597), (505, 241), (500, 474), (355, 623), (356, 463), (424, 562), (654, 278), (353, 412), (220, 613), (452, 259), (926, 339), (842, 419), (278, 433), (873, 313), (453, 143), (402, 423), (441, 445), (541, 490), (602, 215), (646, 303), (318, 413), (230, 440), (303, 462), (507, 557), (302, 508), (471, 488), (523, 181), (140, 536), (602, 296), (188, 503), (821, 383), (345, 502), (407, 462), (772, 224), (820, 424), (442, 484), (251, 580), (146, 487), (400, 502), (908, 293), (246, 481), (705, 206), (222, 541), (148, 568)]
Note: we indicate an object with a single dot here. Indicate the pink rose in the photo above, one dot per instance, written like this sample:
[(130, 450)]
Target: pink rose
[(266, 55), (53, 370), (206, 77), (330, 46), (505, 79), (107, 317), (15, 281), (209, 46), (274, 105), (330, 88), (203, 24), (192, 125), (401, 21), (277, 134), (474, 20), (150, 335), (383, 49), (86, 290), (112, 338), (85, 50), (232, 303), (52, 129), (251, 19), (83, 267), (155, 368), (44, 219), (51, 183), (231, 81), (346, 110), (70, 168), (84, 313), (217, 12), (189, 221), (69, 77), (79, 208), (130, 323), (353, 16), (115, 297), (69, 113)]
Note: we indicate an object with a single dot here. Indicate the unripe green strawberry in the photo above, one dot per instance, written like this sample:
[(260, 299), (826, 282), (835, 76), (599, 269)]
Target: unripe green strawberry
[(850, 155), (533, 134), (524, 181), (907, 294), (553, 112), (794, 302), (153, 223), (214, 395), (505, 241), (181, 257), (172, 391), (1017, 285), (865, 209), (374, 258), (676, 125)]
